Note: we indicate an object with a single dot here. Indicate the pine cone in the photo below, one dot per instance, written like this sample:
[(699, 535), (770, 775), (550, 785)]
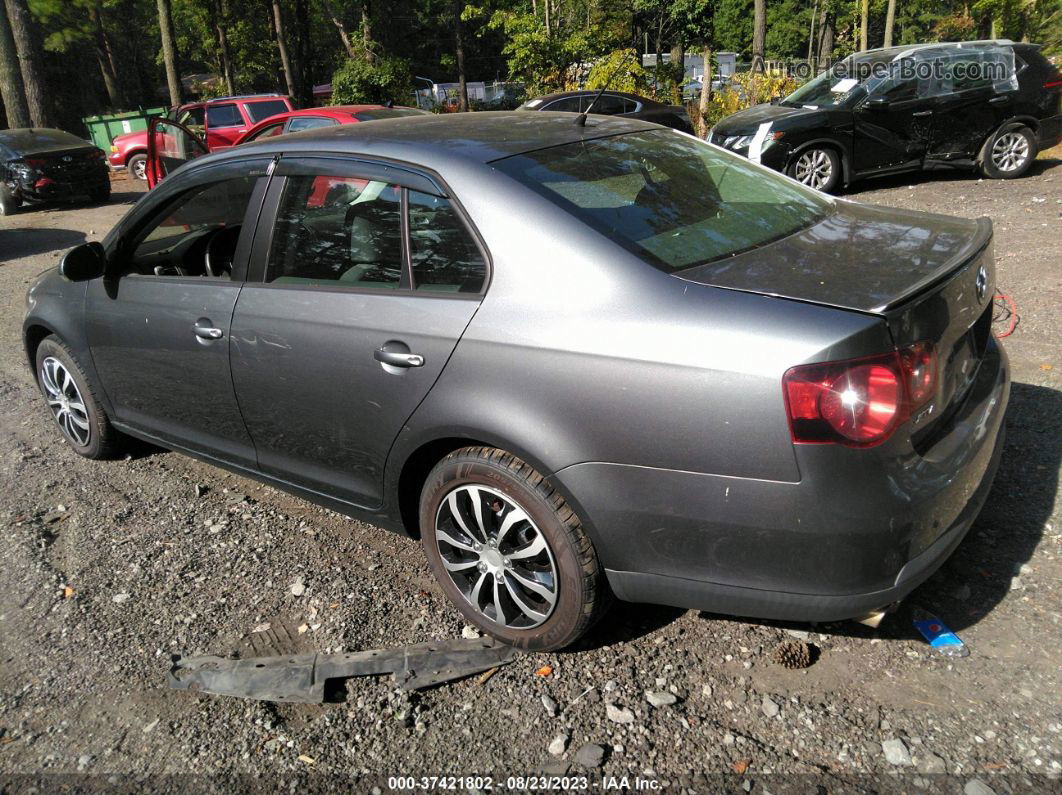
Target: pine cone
[(792, 654)]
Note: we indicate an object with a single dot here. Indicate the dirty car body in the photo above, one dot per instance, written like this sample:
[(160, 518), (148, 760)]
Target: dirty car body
[(768, 403)]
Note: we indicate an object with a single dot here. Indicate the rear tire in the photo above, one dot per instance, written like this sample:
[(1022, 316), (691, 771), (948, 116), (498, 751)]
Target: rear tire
[(137, 166), (525, 571), (817, 167), (73, 404), (1008, 153), (9, 204)]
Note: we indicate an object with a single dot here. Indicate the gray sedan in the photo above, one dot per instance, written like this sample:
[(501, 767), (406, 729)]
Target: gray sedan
[(575, 361)]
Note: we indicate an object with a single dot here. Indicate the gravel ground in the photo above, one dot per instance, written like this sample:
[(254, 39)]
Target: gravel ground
[(111, 568)]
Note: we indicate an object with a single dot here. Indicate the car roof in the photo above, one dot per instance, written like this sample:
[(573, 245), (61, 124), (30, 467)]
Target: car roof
[(594, 91), (433, 140), (889, 53)]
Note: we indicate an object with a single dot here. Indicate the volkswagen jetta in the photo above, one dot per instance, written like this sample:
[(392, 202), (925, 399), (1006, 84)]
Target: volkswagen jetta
[(575, 361)]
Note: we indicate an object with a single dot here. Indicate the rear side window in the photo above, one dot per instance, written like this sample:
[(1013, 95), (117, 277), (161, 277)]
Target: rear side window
[(258, 111), (337, 232), (223, 116), (568, 104), (609, 105), (296, 123), (444, 255)]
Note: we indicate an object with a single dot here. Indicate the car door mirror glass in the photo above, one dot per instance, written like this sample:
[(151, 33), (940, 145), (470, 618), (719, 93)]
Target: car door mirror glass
[(83, 262)]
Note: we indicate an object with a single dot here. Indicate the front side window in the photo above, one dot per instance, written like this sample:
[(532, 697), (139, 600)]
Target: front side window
[(567, 105), (337, 232), (197, 234), (674, 201), (445, 257), (296, 123), (192, 117), (223, 116)]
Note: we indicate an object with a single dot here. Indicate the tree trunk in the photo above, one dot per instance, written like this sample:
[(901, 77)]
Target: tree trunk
[(826, 38), (811, 37), (890, 19), (169, 53), (103, 56), (678, 68), (304, 86), (11, 90), (219, 13), (864, 19), (706, 91), (30, 58), (759, 34), (459, 51), (337, 20), (285, 61), (366, 31)]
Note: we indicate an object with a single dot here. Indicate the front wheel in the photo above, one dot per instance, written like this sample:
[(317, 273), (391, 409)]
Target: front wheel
[(9, 204), (1008, 153), (508, 551), (137, 166), (817, 168)]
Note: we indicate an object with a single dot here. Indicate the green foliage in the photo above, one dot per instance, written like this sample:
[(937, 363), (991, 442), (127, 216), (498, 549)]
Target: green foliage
[(357, 81), (746, 89), (620, 70)]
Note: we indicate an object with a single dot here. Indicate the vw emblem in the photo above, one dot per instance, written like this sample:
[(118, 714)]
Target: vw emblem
[(981, 283), (67, 158)]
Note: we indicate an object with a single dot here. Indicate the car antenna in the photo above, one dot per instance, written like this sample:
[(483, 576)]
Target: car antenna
[(580, 120)]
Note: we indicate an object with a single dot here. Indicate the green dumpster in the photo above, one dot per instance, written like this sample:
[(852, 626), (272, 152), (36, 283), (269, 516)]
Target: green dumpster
[(104, 129)]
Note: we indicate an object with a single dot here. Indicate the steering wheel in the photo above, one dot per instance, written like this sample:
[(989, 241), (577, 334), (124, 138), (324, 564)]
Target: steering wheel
[(220, 251)]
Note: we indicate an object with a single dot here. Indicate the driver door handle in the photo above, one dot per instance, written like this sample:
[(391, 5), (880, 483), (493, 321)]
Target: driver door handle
[(922, 113), (208, 333), (398, 359)]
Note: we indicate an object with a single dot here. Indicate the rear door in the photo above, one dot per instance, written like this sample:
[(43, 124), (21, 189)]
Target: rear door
[(350, 317), (978, 92), (170, 145), (224, 124)]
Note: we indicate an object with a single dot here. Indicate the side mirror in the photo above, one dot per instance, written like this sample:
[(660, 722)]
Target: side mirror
[(83, 262), (876, 103)]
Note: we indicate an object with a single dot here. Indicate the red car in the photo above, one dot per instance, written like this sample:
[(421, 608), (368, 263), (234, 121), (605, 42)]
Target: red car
[(174, 142), (221, 120)]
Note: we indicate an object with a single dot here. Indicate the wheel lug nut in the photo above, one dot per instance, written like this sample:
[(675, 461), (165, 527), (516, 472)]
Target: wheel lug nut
[(508, 563), (482, 566)]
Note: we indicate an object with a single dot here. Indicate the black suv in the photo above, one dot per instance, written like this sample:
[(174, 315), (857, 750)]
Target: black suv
[(990, 105)]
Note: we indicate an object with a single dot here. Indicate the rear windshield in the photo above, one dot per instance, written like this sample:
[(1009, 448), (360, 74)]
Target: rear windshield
[(386, 113), (259, 111), (673, 200)]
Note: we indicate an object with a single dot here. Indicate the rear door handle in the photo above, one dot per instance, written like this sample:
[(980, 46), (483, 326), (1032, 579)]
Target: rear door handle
[(922, 114), (999, 100), (398, 359), (208, 333)]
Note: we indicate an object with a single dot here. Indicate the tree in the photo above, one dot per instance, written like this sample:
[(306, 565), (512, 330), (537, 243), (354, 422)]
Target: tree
[(459, 55), (169, 52), (864, 18), (357, 81), (27, 43), (11, 89), (890, 18), (219, 12), (290, 78), (759, 34)]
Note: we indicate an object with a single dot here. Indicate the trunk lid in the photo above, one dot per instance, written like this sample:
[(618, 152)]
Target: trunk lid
[(64, 165), (930, 277)]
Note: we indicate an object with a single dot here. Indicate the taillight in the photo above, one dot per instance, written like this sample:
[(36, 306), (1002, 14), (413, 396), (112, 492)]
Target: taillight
[(858, 402), (1054, 82), (35, 162)]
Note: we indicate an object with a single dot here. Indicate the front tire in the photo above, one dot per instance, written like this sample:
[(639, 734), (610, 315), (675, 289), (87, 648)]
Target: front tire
[(137, 166), (9, 204), (817, 167), (508, 551), (72, 403), (1009, 153)]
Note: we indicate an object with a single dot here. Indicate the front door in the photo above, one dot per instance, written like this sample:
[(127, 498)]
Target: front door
[(170, 145), (356, 311), (158, 325), (892, 127)]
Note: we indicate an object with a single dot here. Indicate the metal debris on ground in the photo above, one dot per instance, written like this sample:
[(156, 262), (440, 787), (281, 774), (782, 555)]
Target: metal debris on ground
[(792, 654), (939, 636), (302, 677)]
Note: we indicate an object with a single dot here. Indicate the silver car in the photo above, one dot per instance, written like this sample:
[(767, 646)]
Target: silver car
[(575, 360)]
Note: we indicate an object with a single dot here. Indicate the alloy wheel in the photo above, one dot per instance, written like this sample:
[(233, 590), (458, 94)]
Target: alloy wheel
[(496, 556), (1010, 151), (814, 168), (140, 168), (65, 401)]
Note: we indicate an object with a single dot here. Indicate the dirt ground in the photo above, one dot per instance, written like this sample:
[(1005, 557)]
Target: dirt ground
[(109, 569)]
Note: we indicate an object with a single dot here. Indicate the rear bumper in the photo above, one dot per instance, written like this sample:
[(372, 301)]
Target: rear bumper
[(1050, 132), (64, 190), (850, 537)]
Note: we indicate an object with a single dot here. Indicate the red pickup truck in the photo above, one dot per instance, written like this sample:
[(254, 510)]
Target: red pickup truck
[(218, 121)]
